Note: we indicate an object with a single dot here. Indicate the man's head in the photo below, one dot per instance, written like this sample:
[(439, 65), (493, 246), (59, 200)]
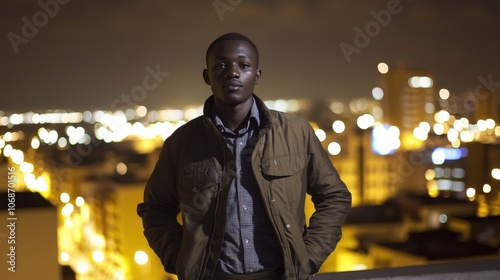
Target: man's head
[(232, 36), (232, 69)]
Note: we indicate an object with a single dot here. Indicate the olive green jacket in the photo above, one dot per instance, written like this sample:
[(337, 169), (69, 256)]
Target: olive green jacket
[(193, 176)]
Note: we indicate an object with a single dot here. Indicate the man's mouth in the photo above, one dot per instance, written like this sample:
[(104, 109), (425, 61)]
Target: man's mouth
[(232, 85)]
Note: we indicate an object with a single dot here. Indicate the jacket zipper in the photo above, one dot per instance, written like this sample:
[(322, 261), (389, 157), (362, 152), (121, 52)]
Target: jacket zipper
[(210, 240), (217, 200)]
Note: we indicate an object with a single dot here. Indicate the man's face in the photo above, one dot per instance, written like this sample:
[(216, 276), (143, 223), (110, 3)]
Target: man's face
[(232, 72)]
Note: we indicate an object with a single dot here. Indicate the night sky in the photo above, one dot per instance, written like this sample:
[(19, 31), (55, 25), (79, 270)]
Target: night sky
[(86, 55)]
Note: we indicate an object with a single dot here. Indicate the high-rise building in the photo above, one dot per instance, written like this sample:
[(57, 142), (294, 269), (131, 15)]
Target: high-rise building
[(408, 100)]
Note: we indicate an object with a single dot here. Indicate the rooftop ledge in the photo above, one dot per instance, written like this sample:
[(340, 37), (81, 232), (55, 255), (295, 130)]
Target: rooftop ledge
[(484, 270)]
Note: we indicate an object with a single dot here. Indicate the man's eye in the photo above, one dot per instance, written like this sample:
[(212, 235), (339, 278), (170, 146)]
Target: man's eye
[(219, 65), (244, 65)]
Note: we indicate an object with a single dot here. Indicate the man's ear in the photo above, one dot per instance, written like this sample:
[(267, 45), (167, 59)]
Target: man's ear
[(206, 78), (257, 76)]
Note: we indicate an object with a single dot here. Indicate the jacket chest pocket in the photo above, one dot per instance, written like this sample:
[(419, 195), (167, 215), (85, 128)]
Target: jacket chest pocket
[(286, 177), (198, 184), (283, 166), (202, 175)]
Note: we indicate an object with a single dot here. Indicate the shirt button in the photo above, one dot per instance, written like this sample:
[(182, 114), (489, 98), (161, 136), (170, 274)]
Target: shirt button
[(245, 208), (273, 200), (246, 241), (287, 225), (241, 143)]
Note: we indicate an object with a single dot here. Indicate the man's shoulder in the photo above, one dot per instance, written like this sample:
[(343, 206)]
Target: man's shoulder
[(279, 117), (186, 130), (287, 118)]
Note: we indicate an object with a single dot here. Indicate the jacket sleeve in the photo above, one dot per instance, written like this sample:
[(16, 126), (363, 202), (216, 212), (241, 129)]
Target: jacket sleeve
[(332, 201), (160, 209)]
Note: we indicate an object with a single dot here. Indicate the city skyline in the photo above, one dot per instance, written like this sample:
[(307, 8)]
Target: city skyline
[(93, 166), (87, 56)]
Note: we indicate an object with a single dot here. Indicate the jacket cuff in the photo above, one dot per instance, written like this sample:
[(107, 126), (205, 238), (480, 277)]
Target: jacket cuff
[(314, 267)]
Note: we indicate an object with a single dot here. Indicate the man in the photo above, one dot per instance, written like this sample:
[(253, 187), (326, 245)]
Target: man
[(238, 175)]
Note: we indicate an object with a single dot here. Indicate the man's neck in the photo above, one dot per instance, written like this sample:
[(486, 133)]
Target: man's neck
[(233, 116)]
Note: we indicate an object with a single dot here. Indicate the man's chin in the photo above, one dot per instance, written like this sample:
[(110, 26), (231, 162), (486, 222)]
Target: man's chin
[(234, 98)]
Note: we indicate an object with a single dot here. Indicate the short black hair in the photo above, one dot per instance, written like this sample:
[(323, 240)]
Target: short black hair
[(232, 36)]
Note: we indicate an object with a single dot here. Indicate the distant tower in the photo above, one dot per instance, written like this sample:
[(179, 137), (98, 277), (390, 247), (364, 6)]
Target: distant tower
[(408, 103), (408, 100)]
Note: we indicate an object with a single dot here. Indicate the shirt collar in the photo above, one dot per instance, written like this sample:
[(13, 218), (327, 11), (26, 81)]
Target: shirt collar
[(254, 115)]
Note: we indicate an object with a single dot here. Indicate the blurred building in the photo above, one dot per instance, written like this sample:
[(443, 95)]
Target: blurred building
[(428, 247), (475, 105), (485, 230), (408, 100), (28, 239)]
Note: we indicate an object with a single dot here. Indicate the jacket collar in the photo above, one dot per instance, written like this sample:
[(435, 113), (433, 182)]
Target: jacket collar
[(265, 115)]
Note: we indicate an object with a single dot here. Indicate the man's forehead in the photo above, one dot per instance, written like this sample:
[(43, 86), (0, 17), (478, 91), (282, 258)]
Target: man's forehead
[(232, 47), (232, 44)]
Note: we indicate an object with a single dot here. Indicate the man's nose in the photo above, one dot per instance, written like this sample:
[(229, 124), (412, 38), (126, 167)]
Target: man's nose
[(233, 72)]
